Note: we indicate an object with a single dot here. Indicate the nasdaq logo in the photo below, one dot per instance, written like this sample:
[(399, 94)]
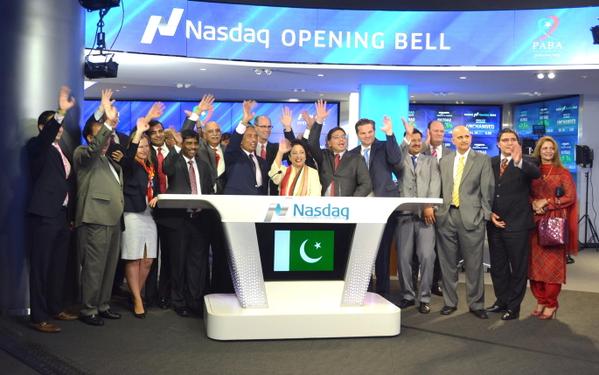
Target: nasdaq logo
[(275, 209), (329, 211), (168, 28)]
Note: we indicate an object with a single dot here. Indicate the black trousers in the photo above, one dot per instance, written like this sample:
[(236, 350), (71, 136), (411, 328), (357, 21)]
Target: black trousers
[(188, 246), (49, 249), (509, 252), (381, 266)]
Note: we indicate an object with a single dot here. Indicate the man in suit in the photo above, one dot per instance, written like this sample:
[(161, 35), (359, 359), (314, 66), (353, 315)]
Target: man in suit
[(246, 172), (98, 218), (419, 177), (467, 185), (511, 222), (380, 158), (185, 234), (265, 149), (49, 213), (434, 146), (342, 173)]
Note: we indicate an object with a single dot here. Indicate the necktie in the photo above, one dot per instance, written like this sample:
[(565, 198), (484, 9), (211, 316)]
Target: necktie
[(336, 165), (434, 151), (414, 161), (263, 152), (455, 194), (503, 166), (161, 175), (192, 178), (367, 157), (337, 161), (257, 170), (216, 155)]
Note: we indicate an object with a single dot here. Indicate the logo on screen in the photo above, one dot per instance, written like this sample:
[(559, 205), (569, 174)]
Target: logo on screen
[(546, 26), (275, 209), (168, 28), (304, 250)]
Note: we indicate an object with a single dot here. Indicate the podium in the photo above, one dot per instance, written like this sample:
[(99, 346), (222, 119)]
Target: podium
[(316, 255)]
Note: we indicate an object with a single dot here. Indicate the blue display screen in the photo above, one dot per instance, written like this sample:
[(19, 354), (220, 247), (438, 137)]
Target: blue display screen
[(302, 35)]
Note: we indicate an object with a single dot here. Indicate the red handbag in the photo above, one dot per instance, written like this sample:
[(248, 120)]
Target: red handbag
[(553, 231)]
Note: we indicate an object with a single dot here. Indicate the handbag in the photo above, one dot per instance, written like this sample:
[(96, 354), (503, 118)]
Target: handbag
[(553, 231)]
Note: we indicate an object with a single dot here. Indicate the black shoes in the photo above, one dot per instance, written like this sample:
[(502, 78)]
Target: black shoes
[(92, 320), (481, 314), (496, 308), (163, 303), (182, 312), (406, 303), (424, 308), (510, 315), (109, 314), (448, 310), (436, 290)]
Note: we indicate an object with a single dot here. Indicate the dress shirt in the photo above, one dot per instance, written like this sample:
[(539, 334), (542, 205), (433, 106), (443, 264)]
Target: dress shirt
[(197, 172)]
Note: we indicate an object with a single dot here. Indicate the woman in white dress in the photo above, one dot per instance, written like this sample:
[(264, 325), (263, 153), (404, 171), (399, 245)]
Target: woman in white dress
[(140, 238), (297, 179)]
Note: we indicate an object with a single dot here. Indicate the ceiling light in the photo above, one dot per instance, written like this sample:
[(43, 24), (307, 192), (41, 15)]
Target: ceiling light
[(551, 75), (258, 71), (463, 77), (267, 71), (320, 75), (187, 85), (540, 75), (179, 85), (203, 69), (536, 93), (293, 100), (584, 76)]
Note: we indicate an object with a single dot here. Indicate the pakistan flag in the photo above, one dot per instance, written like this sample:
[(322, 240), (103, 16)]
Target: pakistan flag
[(304, 250)]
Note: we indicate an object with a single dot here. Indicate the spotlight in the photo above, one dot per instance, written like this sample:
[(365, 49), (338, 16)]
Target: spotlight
[(92, 5), (551, 75), (258, 71), (595, 32), (267, 71), (540, 75)]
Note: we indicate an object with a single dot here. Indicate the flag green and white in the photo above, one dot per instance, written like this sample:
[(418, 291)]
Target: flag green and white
[(304, 250)]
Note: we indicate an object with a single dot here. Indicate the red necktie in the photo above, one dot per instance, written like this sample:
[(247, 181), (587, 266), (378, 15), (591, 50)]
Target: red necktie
[(503, 167), (216, 155), (161, 175), (192, 178), (336, 165), (434, 153), (263, 152)]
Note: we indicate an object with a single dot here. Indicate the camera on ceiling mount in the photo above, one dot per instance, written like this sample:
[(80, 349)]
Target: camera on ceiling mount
[(107, 68), (92, 5)]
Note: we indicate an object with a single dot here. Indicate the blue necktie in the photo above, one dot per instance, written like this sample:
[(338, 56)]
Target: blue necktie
[(414, 157), (367, 157)]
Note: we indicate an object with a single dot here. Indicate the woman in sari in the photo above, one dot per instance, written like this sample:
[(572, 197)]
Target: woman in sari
[(297, 179), (552, 195)]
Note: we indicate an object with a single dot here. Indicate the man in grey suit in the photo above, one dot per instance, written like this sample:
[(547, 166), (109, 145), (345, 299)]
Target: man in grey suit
[(100, 206), (419, 177), (467, 186)]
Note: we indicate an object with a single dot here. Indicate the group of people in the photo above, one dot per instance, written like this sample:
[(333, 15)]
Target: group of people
[(108, 191)]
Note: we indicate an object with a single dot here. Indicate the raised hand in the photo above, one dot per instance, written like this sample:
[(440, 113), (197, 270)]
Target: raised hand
[(176, 135), (155, 111), (284, 146), (308, 119), (106, 98), (112, 115), (65, 100), (408, 126), (286, 118), (142, 125), (321, 111), (517, 153), (205, 104), (248, 107), (387, 125)]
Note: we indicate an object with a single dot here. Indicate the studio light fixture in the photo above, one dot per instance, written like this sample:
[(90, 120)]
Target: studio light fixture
[(551, 75), (540, 75), (261, 71)]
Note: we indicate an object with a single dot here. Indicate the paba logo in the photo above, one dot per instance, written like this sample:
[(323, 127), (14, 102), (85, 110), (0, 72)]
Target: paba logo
[(168, 28), (547, 41)]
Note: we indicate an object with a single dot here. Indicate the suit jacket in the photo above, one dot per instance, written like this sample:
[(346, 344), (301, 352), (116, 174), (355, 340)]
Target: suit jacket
[(177, 170), (384, 155), (422, 182), (351, 177), (426, 150), (49, 183), (208, 155), (512, 191), (99, 195), (241, 178), (476, 189), (136, 181)]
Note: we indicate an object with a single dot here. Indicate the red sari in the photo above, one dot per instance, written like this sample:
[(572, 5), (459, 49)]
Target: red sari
[(548, 264)]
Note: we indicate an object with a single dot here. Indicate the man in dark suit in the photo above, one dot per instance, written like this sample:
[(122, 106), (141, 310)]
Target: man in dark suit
[(342, 173), (246, 172), (98, 218), (511, 222), (186, 235), (49, 213), (467, 186), (380, 158), (265, 149)]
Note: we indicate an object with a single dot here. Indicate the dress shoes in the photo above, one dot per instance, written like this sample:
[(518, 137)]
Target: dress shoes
[(107, 314), (45, 327), (163, 303), (139, 315), (495, 308), (448, 310), (183, 312), (436, 290), (481, 314), (92, 320), (424, 308), (63, 315), (406, 303), (510, 315)]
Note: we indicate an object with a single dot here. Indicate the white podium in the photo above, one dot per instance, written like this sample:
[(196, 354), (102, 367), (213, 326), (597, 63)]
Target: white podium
[(299, 308)]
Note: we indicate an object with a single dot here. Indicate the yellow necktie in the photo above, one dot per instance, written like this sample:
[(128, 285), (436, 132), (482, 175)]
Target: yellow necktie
[(455, 194)]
